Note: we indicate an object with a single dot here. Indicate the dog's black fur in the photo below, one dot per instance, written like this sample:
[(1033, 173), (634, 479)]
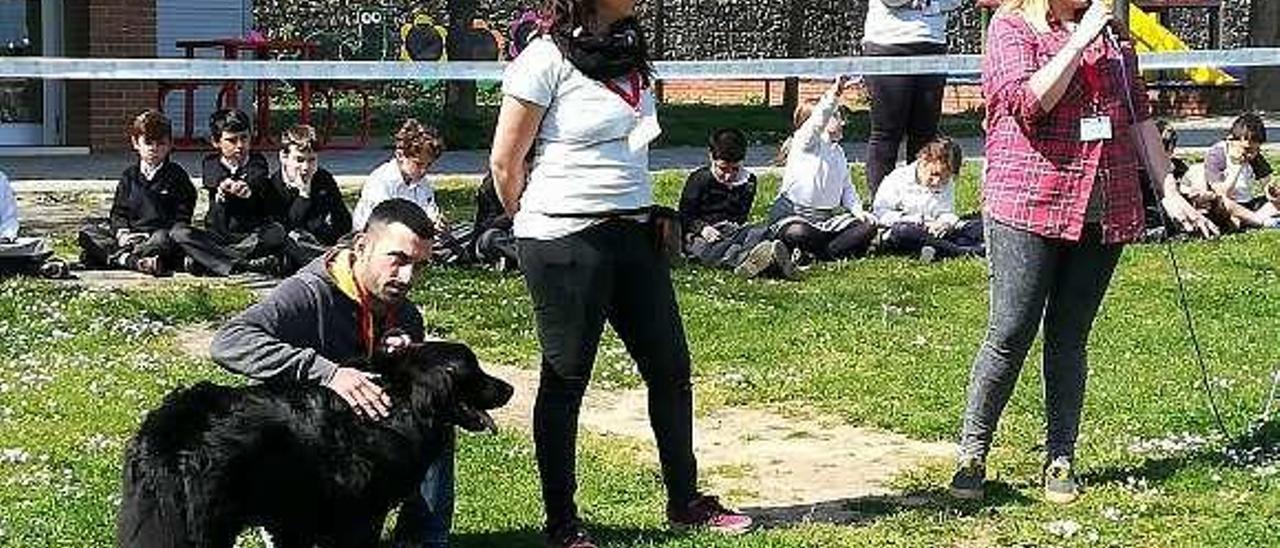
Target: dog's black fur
[(296, 459)]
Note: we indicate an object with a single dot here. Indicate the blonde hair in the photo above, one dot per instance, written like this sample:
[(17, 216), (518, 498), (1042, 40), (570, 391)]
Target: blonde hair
[(1034, 12)]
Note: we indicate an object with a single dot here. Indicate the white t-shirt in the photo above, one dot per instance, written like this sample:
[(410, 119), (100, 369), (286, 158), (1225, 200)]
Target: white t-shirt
[(386, 183), (1218, 163), (902, 199), (8, 209), (817, 172), (908, 24), (591, 151)]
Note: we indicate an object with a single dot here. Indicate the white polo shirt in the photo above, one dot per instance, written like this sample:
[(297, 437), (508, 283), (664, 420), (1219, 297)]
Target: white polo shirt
[(386, 183)]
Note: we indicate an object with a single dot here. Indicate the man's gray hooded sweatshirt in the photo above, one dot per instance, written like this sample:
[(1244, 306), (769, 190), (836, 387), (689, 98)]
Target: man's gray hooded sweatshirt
[(303, 330)]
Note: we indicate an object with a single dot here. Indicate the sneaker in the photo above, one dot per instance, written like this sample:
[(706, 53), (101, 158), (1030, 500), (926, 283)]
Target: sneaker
[(801, 258), (269, 265), (760, 258), (787, 268), (928, 254), (55, 269), (967, 483), (123, 260), (706, 512), (151, 265), (1060, 485), (570, 535)]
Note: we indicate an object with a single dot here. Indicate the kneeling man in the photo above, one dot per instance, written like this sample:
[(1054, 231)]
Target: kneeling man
[(344, 305)]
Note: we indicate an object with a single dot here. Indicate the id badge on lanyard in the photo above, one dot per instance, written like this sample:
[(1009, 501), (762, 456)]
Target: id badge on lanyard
[(1098, 126), (647, 128)]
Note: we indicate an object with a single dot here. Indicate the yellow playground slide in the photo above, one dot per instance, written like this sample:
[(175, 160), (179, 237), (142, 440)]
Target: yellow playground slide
[(1149, 35)]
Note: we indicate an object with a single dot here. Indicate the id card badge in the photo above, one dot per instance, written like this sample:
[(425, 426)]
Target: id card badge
[(1096, 128), (647, 128)]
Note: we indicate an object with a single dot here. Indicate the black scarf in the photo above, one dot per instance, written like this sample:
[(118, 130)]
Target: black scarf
[(619, 52)]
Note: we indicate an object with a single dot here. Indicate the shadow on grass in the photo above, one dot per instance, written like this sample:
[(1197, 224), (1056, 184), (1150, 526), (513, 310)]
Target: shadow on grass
[(605, 535), (1259, 444), (864, 510)]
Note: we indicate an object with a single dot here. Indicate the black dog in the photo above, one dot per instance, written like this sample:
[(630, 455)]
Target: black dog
[(296, 459)]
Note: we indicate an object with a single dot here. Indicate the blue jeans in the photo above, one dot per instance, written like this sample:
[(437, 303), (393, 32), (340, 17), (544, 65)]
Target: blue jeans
[(427, 516)]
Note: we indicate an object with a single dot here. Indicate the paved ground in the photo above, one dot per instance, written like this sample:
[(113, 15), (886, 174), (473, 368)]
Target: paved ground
[(98, 172)]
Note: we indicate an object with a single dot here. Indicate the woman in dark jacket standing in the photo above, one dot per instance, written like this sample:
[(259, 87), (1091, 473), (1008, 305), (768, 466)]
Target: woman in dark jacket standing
[(581, 96)]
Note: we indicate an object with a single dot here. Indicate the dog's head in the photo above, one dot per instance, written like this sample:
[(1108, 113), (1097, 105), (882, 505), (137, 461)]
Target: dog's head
[(444, 380)]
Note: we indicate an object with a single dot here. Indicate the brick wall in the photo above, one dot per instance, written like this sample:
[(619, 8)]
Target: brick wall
[(119, 28)]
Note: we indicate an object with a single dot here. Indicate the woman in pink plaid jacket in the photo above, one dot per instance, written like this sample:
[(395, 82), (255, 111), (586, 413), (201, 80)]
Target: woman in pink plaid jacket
[(1067, 122)]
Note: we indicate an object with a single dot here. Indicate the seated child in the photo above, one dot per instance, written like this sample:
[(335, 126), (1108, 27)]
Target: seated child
[(243, 206), (417, 148), (1233, 167), (714, 207), (1223, 213), (404, 175), (314, 214), (22, 255), (817, 210), (494, 244), (916, 206), (149, 227)]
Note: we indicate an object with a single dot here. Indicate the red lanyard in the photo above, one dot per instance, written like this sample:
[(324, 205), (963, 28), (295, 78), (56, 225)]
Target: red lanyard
[(631, 97), (1093, 80)]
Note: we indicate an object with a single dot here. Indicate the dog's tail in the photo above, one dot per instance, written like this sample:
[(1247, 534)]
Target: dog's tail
[(152, 503)]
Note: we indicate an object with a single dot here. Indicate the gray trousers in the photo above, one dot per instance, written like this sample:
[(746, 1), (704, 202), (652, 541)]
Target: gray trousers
[(730, 249), (1034, 278)]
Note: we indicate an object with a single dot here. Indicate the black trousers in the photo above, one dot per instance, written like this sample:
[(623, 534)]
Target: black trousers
[(269, 239), (853, 241), (301, 248), (100, 248), (910, 238), (494, 244), (901, 106), (613, 272)]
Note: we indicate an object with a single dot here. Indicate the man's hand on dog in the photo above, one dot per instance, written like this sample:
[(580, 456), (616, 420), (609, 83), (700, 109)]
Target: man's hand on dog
[(359, 390)]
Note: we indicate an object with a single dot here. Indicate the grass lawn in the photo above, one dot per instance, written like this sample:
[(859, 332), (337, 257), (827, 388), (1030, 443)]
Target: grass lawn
[(883, 342)]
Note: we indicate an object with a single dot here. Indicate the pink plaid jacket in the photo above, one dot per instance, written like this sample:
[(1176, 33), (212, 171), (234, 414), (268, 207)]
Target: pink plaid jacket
[(1039, 174)]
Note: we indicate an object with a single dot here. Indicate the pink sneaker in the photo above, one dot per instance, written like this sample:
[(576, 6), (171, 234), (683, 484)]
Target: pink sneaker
[(707, 512)]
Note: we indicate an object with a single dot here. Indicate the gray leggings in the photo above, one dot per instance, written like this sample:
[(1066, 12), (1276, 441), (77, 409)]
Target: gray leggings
[(1034, 278)]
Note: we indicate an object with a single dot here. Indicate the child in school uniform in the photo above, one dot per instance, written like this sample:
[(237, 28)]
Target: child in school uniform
[(244, 209), (314, 214), (149, 226), (417, 147), (1220, 211), (21, 255), (916, 207), (1233, 168), (714, 207), (817, 210)]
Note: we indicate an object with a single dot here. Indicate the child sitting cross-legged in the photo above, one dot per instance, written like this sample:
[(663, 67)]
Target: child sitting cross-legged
[(915, 205)]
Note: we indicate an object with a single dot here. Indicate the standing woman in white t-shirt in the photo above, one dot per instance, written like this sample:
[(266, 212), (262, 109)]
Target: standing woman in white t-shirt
[(581, 97)]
